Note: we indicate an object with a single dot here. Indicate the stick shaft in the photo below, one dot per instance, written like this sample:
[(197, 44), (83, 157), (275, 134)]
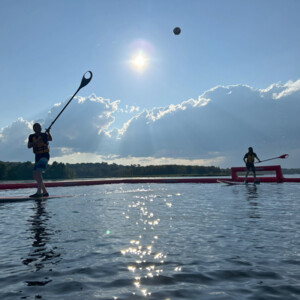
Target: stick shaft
[(281, 156), (63, 109), (83, 83), (269, 159)]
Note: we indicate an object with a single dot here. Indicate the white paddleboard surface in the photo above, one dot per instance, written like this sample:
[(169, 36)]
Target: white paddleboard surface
[(228, 182), (5, 199)]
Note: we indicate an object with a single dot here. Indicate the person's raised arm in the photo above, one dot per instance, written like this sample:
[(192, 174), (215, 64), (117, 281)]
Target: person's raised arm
[(49, 136)]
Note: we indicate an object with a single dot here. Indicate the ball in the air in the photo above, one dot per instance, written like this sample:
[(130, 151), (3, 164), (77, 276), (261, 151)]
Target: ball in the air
[(177, 30)]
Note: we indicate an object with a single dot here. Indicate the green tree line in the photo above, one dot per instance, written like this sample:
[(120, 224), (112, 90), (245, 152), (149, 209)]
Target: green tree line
[(24, 170)]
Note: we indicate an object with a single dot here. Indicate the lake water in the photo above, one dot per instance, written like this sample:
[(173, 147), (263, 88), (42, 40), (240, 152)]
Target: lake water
[(153, 241)]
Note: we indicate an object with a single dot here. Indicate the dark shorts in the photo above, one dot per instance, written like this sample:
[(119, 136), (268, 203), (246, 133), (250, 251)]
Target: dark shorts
[(41, 162), (250, 167)]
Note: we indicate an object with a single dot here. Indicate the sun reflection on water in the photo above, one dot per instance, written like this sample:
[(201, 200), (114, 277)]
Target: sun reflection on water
[(148, 261)]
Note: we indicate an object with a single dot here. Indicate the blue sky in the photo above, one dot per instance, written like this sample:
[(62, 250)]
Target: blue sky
[(46, 47)]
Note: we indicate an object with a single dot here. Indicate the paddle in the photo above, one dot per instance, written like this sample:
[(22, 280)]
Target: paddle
[(283, 156), (84, 82)]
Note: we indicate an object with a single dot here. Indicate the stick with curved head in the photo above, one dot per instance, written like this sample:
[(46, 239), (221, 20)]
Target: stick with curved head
[(84, 82), (283, 156)]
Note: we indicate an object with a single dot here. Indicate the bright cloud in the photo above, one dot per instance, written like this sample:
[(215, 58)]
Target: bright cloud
[(129, 160), (216, 129), (82, 124), (13, 141), (288, 89)]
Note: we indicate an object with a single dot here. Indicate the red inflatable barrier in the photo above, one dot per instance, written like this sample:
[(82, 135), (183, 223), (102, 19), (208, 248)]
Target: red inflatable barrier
[(262, 169)]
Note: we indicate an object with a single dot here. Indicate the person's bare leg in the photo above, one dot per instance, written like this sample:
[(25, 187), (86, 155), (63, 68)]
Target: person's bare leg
[(246, 177), (37, 177), (41, 185)]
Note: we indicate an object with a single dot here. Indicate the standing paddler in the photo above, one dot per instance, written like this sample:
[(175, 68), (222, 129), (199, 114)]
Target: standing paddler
[(249, 159), (40, 143)]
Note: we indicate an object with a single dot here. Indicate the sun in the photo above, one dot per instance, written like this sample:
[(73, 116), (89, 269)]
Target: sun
[(139, 61), (140, 56)]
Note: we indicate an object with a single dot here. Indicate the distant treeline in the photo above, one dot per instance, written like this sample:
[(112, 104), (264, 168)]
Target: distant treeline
[(23, 171), (290, 171), (98, 170)]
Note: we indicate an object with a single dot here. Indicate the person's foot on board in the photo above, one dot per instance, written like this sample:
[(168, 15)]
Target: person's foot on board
[(36, 195), (45, 195)]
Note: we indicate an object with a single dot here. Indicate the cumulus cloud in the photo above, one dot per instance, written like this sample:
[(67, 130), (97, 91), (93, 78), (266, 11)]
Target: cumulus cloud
[(287, 89), (217, 128), (82, 124), (13, 141), (223, 122)]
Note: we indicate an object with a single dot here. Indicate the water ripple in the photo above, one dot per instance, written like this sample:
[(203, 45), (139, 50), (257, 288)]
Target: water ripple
[(153, 241)]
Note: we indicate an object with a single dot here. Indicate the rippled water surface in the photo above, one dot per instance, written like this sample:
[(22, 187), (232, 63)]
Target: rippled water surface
[(153, 241)]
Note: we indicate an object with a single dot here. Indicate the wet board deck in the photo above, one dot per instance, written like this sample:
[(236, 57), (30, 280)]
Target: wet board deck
[(7, 199), (228, 182)]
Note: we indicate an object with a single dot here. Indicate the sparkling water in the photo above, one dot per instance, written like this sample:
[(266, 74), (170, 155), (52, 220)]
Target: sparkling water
[(153, 241)]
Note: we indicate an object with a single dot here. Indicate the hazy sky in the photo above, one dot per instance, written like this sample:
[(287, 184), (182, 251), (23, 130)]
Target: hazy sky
[(141, 110)]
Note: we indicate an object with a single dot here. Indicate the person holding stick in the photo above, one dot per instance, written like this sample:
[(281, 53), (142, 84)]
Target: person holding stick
[(249, 159), (40, 143)]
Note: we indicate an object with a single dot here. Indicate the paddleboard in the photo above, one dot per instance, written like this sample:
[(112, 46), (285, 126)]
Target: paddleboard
[(6, 199), (228, 182)]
